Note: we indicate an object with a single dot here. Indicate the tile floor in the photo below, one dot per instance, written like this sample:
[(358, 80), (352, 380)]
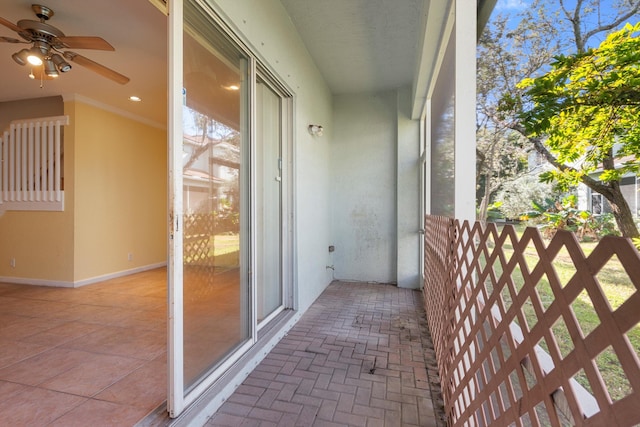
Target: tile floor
[(359, 356), (94, 355)]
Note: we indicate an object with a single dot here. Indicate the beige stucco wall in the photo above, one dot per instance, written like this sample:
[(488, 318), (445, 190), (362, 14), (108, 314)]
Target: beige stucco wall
[(265, 26), (364, 197)]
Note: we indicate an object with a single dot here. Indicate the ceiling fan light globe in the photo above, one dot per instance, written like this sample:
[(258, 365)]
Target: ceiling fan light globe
[(38, 53), (21, 57), (34, 59), (62, 65), (50, 68)]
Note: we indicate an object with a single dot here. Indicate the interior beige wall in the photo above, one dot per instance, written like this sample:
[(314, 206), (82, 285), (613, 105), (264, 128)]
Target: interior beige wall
[(40, 242), (115, 204), (120, 193)]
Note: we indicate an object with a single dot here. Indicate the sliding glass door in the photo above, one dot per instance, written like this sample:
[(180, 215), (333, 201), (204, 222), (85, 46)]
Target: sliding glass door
[(210, 289), (268, 200), (228, 125), (215, 203)]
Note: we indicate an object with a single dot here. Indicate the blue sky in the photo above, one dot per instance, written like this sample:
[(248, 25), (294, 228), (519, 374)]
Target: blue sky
[(513, 7), (510, 5)]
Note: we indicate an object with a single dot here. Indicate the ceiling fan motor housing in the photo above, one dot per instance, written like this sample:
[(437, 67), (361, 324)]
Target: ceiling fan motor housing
[(39, 31), (42, 12)]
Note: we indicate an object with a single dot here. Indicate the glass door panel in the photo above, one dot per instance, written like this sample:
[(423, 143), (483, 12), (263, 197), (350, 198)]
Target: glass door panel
[(215, 191), (268, 200), (225, 177)]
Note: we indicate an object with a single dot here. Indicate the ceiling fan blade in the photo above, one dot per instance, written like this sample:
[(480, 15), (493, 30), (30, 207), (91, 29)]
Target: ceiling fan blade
[(96, 43), (9, 40), (97, 68), (10, 25)]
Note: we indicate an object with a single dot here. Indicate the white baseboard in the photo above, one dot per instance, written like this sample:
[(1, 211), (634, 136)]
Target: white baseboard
[(79, 283), (117, 274), (36, 282)]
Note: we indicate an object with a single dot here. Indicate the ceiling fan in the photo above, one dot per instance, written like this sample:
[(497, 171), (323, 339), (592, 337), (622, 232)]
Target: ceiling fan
[(47, 47)]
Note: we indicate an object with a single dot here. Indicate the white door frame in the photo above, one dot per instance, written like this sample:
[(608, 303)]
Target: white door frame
[(177, 399)]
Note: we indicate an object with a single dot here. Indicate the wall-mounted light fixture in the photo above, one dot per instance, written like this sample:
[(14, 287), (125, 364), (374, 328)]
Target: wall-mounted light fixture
[(316, 130)]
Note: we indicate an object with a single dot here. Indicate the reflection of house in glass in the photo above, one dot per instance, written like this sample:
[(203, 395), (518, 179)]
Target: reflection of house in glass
[(211, 164)]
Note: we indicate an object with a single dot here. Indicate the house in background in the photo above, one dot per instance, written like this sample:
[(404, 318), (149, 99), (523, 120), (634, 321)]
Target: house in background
[(588, 199), (598, 204), (225, 130)]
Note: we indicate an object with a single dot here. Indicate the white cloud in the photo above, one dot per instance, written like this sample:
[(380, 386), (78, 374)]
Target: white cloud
[(511, 5)]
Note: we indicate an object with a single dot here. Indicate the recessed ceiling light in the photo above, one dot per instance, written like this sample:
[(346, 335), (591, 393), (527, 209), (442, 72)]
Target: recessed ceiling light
[(233, 87), (135, 98)]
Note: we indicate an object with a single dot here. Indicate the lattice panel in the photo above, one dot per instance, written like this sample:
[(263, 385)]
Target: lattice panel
[(509, 328), (438, 267), (199, 265), (198, 229)]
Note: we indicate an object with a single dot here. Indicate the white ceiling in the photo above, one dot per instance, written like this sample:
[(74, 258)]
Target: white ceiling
[(358, 45), (135, 28)]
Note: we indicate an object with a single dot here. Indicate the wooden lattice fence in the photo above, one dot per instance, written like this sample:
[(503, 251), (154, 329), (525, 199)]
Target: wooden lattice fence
[(199, 228), (510, 348)]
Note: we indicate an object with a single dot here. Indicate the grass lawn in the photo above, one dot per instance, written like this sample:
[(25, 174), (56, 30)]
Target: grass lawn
[(224, 244), (617, 288)]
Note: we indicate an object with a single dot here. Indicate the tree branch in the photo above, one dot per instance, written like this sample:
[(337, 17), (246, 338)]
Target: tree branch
[(565, 11), (540, 148), (577, 31), (612, 25)]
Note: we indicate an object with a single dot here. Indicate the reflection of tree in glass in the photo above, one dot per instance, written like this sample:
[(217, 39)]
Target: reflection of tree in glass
[(212, 161), (443, 146), (208, 133)]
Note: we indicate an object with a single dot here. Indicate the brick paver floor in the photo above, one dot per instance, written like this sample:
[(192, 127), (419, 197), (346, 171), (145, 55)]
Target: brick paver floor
[(360, 356)]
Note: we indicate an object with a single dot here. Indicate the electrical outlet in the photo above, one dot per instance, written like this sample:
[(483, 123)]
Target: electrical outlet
[(130, 257), (12, 262)]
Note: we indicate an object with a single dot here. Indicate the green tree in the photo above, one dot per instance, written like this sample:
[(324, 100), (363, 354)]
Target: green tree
[(500, 157), (584, 114), (518, 196), (505, 55)]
